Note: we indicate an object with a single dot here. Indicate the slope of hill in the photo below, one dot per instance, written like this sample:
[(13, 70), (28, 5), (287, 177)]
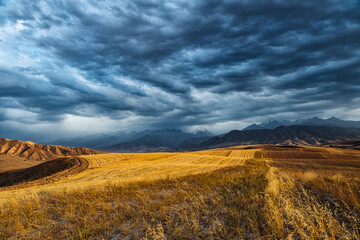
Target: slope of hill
[(44, 172), (288, 135), (330, 122), (347, 145), (15, 154)]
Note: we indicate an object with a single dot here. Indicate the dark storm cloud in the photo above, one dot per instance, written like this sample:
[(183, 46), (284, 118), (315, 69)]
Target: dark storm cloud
[(2, 117), (178, 63)]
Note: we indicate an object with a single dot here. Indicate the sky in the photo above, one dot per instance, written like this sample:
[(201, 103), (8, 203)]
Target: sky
[(73, 68)]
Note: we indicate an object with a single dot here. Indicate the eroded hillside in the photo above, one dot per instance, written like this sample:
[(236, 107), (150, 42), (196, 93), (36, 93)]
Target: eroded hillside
[(15, 154), (33, 151)]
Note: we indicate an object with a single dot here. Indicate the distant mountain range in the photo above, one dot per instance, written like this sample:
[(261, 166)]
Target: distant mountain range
[(285, 135), (330, 122), (144, 141), (303, 131)]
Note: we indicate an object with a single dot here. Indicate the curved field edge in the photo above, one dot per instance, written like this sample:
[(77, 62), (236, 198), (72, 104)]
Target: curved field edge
[(42, 173)]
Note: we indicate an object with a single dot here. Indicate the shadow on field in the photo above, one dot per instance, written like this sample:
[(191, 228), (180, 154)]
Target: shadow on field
[(46, 171)]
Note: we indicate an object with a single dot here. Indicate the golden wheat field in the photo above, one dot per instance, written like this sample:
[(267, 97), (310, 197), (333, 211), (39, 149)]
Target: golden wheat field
[(244, 192), (132, 167)]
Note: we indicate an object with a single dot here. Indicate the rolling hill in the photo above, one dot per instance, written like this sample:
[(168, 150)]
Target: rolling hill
[(15, 154), (346, 145)]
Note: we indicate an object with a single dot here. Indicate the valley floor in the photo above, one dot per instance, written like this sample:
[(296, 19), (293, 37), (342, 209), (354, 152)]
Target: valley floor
[(252, 192)]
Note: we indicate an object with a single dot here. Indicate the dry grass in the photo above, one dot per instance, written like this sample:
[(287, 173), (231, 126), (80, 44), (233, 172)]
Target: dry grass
[(223, 204), (232, 193), (127, 167)]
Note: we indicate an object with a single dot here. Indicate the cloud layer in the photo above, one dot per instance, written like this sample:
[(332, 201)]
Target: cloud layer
[(188, 64)]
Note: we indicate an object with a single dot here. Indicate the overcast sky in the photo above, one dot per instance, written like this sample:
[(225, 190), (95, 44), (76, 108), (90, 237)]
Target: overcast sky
[(80, 67)]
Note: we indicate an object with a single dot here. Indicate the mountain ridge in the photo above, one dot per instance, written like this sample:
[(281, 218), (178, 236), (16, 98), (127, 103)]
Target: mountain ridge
[(161, 140), (285, 135), (31, 151), (315, 121)]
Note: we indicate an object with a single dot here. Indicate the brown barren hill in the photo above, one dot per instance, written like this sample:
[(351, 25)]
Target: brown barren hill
[(15, 154)]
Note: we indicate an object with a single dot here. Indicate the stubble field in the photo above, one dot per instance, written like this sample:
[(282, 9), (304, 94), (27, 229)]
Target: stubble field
[(245, 192)]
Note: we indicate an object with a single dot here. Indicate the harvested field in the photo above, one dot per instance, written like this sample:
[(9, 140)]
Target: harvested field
[(254, 192), (314, 158)]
